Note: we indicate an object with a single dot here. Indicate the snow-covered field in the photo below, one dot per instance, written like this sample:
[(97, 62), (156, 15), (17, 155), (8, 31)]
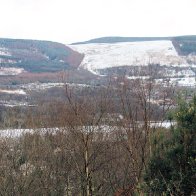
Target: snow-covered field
[(7, 71), (100, 56)]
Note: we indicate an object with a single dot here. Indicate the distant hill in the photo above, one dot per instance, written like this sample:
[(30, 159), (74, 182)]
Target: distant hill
[(121, 39), (37, 56), (185, 45)]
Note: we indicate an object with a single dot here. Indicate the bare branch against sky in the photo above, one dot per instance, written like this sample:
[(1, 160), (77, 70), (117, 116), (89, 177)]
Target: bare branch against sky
[(75, 20)]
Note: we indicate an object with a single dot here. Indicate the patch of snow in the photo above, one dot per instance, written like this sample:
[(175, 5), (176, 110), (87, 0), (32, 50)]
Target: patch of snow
[(40, 86), (27, 168), (182, 65), (78, 85), (164, 124), (189, 82), (7, 71), (185, 72), (46, 56), (13, 103), (18, 91), (14, 133), (43, 86), (182, 81), (4, 52), (61, 61), (138, 77)]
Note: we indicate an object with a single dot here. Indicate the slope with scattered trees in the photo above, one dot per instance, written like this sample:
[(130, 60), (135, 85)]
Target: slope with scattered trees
[(38, 56)]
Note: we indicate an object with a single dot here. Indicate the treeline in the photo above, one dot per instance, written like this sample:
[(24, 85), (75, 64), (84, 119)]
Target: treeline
[(185, 45)]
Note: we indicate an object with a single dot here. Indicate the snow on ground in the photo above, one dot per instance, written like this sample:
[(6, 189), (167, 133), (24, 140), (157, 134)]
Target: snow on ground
[(183, 78), (13, 103), (40, 86), (164, 124), (17, 91), (7, 71), (183, 82), (4, 52), (187, 72), (187, 82), (100, 56), (13, 133), (43, 86), (138, 77)]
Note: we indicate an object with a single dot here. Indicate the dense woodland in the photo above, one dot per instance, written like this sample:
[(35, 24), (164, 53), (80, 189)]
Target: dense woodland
[(102, 143)]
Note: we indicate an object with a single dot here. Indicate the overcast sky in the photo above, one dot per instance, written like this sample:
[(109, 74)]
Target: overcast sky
[(69, 21)]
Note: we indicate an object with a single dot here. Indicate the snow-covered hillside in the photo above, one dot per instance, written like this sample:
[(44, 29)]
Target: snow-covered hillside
[(101, 56)]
